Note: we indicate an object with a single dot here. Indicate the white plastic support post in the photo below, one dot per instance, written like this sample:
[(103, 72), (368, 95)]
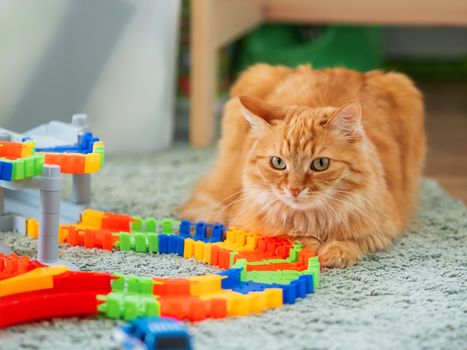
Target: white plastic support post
[(80, 121), (81, 193), (50, 193), (49, 216)]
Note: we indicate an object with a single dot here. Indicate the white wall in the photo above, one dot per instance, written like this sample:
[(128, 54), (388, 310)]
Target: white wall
[(112, 59)]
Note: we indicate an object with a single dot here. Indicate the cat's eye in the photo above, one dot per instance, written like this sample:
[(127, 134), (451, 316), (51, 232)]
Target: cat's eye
[(278, 163), (320, 164)]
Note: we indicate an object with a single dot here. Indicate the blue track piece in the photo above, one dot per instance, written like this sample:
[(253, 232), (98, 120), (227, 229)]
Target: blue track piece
[(308, 283), (180, 246), (289, 293), (233, 279), (217, 233), (6, 168), (173, 240), (200, 231), (185, 229), (163, 244), (84, 147), (247, 287)]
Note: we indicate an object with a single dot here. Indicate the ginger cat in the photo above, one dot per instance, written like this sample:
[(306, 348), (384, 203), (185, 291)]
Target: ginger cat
[(330, 157)]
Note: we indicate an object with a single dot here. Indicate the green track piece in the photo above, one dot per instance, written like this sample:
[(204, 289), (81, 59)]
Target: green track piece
[(133, 284), (137, 224), (131, 296), (146, 285), (167, 226), (314, 269), (112, 306), (280, 277), (140, 242), (38, 163), (283, 276), (293, 253), (118, 285), (100, 150), (153, 242), (270, 261), (241, 264), (152, 308), (29, 167), (128, 306), (125, 241), (232, 258), (18, 169), (150, 225)]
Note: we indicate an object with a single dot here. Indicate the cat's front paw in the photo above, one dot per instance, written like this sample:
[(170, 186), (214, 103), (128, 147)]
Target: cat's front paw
[(311, 243), (339, 254)]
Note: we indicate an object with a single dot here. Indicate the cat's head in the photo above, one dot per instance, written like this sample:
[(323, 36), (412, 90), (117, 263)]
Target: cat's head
[(303, 157)]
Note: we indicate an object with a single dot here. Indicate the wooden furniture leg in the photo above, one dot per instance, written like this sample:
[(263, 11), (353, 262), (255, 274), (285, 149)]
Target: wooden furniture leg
[(214, 23), (203, 74)]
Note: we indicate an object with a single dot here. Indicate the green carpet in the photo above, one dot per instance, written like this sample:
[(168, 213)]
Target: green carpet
[(410, 297)]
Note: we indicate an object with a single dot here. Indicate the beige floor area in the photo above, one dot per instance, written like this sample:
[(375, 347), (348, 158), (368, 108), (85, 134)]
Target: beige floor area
[(446, 113)]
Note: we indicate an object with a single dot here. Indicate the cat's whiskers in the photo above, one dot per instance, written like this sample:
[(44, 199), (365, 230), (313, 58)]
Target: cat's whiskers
[(365, 199), (361, 212), (219, 204), (244, 196)]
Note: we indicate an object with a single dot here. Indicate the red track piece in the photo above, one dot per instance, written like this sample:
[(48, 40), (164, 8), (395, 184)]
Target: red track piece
[(74, 293), (171, 286), (12, 265), (10, 150), (116, 222), (91, 238), (220, 257), (33, 306)]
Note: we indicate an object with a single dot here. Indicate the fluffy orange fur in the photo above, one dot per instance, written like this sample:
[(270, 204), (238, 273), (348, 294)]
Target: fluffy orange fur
[(330, 157)]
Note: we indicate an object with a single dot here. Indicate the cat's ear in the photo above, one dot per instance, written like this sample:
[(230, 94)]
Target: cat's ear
[(347, 120), (259, 113)]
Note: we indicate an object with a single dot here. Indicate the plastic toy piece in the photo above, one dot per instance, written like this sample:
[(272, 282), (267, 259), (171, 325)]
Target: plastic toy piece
[(262, 272), (89, 238), (84, 147), (19, 162), (14, 150), (202, 231), (27, 307), (171, 286), (39, 278), (12, 265), (128, 306), (131, 297), (193, 308), (152, 333), (32, 228), (72, 294)]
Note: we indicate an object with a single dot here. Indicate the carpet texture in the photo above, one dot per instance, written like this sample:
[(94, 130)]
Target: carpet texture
[(413, 296)]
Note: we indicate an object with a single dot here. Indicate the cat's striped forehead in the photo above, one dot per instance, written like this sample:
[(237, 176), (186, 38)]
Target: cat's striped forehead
[(302, 128)]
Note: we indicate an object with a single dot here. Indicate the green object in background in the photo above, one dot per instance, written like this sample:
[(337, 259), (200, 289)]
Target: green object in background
[(431, 69), (355, 47)]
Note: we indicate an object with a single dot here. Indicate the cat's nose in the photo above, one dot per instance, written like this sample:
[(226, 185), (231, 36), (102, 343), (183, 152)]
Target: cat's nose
[(295, 191)]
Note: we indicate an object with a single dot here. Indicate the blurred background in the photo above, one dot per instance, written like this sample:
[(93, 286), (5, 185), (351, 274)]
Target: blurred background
[(127, 64)]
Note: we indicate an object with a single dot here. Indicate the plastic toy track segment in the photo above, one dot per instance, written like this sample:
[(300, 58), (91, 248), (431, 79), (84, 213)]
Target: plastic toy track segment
[(12, 265), (260, 272), (72, 294), (29, 307)]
